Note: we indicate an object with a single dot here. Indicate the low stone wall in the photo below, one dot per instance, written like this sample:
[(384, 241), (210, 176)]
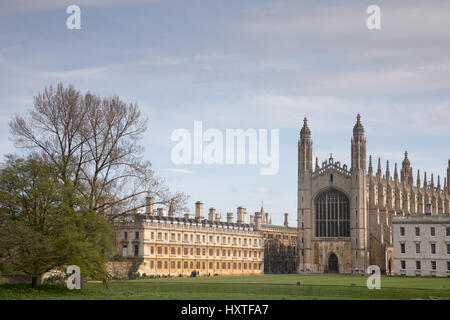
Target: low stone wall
[(16, 278), (116, 270), (119, 269)]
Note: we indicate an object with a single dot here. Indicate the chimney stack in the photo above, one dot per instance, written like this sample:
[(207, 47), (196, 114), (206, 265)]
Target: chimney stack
[(286, 220), (161, 212), (199, 210), (230, 217), (252, 219), (149, 205), (258, 220), (212, 214), (171, 211), (240, 218)]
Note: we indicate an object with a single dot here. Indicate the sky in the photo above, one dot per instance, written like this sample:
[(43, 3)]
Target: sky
[(262, 64)]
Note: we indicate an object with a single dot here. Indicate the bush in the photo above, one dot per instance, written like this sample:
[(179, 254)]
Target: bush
[(57, 278)]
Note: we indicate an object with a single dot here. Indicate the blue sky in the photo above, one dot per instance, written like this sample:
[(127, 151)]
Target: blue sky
[(245, 64)]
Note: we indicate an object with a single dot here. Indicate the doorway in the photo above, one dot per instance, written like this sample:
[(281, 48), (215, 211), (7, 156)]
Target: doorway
[(333, 265)]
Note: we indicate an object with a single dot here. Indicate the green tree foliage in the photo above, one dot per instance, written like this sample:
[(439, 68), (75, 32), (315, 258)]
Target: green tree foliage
[(84, 171), (46, 224)]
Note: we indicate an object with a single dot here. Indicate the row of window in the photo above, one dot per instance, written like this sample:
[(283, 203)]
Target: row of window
[(200, 238), (204, 251), (202, 265), (125, 250), (136, 235), (279, 237), (432, 248), (419, 265), (225, 240), (432, 231)]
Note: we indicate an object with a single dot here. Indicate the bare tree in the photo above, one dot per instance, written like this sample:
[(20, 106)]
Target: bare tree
[(93, 143)]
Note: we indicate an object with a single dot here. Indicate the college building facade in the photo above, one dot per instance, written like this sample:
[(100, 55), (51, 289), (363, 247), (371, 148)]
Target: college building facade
[(345, 213), (345, 222), (168, 245), (422, 245)]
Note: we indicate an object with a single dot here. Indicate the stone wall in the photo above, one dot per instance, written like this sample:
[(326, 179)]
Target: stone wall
[(119, 269), (16, 279)]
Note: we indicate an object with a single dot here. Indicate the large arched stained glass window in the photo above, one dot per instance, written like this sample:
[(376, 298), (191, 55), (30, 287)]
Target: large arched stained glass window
[(332, 214)]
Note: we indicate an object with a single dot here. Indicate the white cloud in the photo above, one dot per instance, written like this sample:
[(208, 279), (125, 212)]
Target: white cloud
[(161, 61), (416, 79), (75, 74), (8, 7), (335, 114), (267, 191), (294, 24)]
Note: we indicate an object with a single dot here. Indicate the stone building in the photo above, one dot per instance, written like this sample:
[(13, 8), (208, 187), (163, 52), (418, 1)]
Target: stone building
[(165, 244), (280, 245), (345, 213), (422, 245), (173, 246)]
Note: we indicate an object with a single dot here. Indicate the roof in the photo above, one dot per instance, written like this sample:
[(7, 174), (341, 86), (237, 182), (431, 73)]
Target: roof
[(184, 220)]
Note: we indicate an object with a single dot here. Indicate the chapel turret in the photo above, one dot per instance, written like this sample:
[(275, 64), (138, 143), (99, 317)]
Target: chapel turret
[(305, 148), (358, 146)]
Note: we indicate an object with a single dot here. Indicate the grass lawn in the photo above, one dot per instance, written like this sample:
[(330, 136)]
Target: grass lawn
[(276, 287)]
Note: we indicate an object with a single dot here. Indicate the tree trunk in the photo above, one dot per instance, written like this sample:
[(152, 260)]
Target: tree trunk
[(34, 282), (81, 282)]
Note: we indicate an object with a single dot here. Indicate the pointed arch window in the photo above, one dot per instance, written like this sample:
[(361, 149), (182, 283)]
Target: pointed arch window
[(332, 214)]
